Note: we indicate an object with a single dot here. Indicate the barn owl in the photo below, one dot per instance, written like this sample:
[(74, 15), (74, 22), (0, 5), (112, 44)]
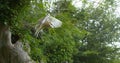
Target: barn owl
[(47, 21)]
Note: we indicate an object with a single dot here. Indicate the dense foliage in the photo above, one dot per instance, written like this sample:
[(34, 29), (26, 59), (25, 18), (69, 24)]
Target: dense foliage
[(84, 37), (10, 9)]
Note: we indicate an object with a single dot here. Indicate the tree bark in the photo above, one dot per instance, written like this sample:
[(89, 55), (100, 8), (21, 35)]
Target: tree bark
[(8, 52)]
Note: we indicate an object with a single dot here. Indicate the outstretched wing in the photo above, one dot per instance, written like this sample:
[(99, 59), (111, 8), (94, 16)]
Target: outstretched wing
[(54, 23), (48, 21)]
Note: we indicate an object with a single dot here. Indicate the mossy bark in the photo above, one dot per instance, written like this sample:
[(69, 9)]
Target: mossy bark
[(8, 52)]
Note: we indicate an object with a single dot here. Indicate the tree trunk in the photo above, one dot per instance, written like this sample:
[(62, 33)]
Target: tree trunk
[(8, 52)]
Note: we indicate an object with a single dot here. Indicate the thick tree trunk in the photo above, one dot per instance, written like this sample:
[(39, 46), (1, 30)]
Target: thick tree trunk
[(8, 52)]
